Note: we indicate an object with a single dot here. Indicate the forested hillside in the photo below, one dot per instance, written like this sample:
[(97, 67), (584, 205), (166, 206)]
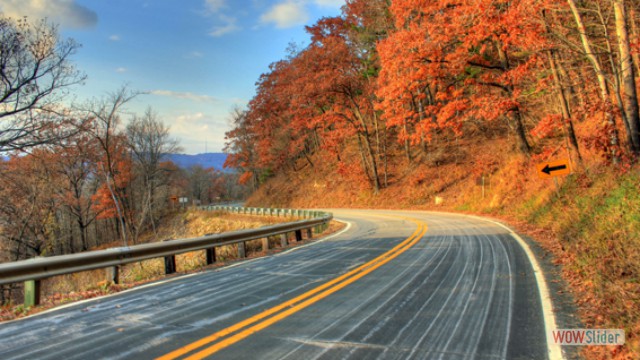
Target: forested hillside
[(451, 105), (406, 78)]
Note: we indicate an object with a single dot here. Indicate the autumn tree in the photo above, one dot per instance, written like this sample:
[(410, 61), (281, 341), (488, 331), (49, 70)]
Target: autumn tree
[(28, 206), (114, 163), (339, 79), (75, 162), (479, 57), (240, 147), (320, 100)]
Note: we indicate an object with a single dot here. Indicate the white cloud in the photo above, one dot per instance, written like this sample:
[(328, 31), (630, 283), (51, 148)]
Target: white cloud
[(228, 27), (188, 120), (67, 13), (186, 125), (114, 37), (223, 24), (184, 95), (286, 14), (121, 70), (196, 129)]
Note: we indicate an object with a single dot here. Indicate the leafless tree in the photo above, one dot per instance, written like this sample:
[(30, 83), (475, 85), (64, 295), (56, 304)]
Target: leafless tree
[(35, 72), (149, 142)]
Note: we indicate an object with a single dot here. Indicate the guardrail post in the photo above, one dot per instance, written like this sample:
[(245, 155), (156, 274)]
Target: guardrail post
[(283, 240), (113, 274), (242, 250), (265, 244), (211, 255), (298, 235), (169, 263), (31, 293)]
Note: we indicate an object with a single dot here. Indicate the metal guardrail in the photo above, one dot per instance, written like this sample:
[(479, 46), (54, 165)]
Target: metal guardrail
[(265, 211), (33, 270)]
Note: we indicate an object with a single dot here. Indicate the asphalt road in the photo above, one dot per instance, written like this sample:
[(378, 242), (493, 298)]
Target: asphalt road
[(394, 285)]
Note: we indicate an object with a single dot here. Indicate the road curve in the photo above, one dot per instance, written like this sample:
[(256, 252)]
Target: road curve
[(394, 285)]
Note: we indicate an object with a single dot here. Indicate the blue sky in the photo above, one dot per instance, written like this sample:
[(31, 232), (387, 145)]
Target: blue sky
[(197, 59)]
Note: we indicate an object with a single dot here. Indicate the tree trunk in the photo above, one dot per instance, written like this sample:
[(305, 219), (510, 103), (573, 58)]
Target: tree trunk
[(617, 77), (371, 155), (118, 209), (521, 133), (386, 162), (363, 158), (567, 122), (602, 82), (635, 36), (423, 142), (628, 76), (407, 148), (83, 234)]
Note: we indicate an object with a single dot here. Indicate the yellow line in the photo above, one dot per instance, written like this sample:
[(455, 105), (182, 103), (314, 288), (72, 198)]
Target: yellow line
[(350, 277), (245, 333)]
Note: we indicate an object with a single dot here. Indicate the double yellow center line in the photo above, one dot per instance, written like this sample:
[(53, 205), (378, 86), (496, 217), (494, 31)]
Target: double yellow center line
[(232, 334)]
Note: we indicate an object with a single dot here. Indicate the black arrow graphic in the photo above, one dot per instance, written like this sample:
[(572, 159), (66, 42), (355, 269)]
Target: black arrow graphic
[(548, 169)]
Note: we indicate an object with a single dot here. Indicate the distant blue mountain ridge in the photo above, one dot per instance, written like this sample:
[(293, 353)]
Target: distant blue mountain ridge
[(206, 160), (185, 161)]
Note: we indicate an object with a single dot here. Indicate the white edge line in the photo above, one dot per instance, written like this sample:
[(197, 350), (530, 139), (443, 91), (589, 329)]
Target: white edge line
[(554, 350), (179, 277)]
